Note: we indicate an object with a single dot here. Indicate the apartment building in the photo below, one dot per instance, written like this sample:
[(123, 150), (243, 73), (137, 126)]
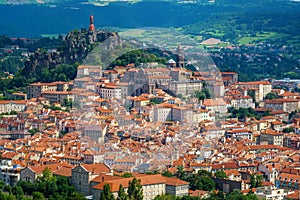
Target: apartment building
[(109, 91), (216, 106), (201, 115), (6, 106), (271, 193), (152, 185), (35, 90), (261, 88), (286, 105), (84, 173), (58, 96), (288, 181), (10, 175), (271, 137)]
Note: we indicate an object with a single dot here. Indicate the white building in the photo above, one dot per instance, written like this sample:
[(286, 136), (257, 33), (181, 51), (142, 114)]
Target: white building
[(8, 106), (271, 193)]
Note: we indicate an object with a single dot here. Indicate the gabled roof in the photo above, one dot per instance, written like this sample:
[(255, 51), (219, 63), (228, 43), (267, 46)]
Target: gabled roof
[(175, 181), (96, 168)]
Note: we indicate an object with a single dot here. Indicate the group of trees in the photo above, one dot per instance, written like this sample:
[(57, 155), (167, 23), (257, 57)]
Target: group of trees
[(139, 56), (63, 72), (203, 181), (271, 95), (204, 93), (200, 181), (216, 195), (241, 113), (47, 186)]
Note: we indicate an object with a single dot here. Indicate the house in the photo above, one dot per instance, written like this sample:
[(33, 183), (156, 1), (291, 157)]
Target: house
[(239, 133), (199, 193), (91, 157), (200, 115), (233, 175), (272, 137), (201, 166), (163, 112), (217, 106), (229, 78), (95, 132), (242, 102), (30, 173), (227, 185), (176, 187)]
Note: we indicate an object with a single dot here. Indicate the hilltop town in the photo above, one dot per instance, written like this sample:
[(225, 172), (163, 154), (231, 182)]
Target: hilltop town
[(151, 120)]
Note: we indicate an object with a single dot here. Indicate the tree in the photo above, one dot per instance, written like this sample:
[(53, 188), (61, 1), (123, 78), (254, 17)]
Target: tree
[(127, 175), (167, 174), (181, 174), (18, 192), (208, 183), (203, 94), (288, 130), (135, 190), (33, 131), (237, 195), (106, 194), (1, 185), (251, 93), (256, 181), (220, 174), (38, 196), (8, 189), (51, 187), (76, 196), (4, 196), (122, 195), (165, 197), (271, 95)]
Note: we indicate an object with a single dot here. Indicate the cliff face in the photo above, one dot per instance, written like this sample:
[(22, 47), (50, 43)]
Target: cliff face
[(75, 47)]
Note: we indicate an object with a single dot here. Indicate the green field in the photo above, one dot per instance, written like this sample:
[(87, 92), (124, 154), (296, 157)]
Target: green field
[(261, 37), (49, 35)]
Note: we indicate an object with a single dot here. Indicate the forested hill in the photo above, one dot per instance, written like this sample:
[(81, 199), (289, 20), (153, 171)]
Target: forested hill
[(32, 20)]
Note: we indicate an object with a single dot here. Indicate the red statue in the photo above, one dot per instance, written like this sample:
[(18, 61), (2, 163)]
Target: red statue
[(91, 27)]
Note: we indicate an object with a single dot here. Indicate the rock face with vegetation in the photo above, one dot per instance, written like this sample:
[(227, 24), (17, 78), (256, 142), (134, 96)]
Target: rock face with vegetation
[(74, 48)]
